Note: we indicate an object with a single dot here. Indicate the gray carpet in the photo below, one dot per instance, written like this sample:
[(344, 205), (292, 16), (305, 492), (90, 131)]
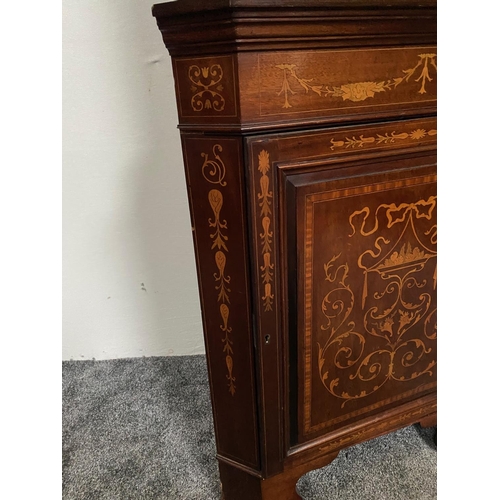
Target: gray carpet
[(141, 428)]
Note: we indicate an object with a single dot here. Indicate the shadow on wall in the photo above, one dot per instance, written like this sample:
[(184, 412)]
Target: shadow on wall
[(128, 263)]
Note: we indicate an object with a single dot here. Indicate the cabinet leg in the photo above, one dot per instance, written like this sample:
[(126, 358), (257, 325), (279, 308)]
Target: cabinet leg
[(240, 485), (280, 487)]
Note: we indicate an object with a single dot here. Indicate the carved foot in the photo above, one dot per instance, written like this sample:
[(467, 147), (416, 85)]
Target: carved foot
[(238, 484), (282, 486)]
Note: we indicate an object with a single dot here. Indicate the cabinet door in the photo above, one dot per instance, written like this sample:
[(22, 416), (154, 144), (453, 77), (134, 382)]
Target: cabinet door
[(353, 275), (362, 266)]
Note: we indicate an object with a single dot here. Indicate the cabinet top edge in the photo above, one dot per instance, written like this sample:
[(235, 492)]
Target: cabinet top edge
[(222, 26), (181, 7)]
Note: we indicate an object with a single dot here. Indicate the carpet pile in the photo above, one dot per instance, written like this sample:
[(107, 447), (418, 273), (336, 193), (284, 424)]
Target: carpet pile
[(141, 429)]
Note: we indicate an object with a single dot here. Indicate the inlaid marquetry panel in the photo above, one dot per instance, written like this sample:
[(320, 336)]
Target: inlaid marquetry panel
[(369, 274), (206, 88), (298, 84), (214, 174), (354, 140), (265, 269)]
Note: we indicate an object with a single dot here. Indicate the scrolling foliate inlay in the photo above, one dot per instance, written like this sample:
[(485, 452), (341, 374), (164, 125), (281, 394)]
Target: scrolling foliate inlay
[(265, 199), (387, 138), (207, 87), (393, 302), (214, 172), (358, 91)]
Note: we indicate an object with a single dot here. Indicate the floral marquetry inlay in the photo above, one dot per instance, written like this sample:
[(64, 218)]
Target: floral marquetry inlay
[(207, 87), (219, 238), (378, 139), (214, 171), (356, 91), (395, 298), (266, 236)]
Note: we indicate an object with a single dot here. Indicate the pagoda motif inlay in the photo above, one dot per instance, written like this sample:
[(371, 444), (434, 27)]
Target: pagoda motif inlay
[(390, 306)]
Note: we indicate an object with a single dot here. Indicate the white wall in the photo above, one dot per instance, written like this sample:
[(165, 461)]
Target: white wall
[(129, 279)]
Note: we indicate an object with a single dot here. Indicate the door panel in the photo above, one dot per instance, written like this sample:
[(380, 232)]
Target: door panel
[(360, 245)]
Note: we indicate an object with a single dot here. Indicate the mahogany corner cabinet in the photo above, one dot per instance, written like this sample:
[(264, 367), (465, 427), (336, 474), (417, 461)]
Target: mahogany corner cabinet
[(309, 136)]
